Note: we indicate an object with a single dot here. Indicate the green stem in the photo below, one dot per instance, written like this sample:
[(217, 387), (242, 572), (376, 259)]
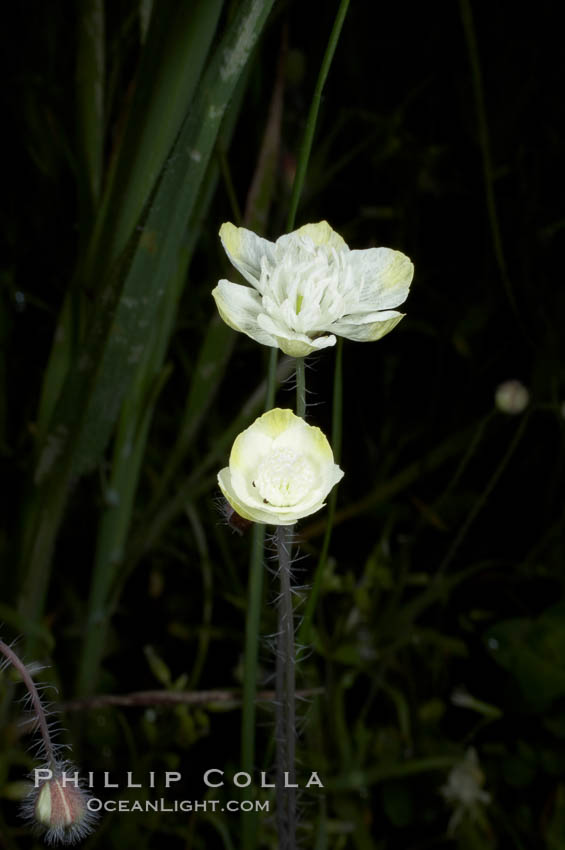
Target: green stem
[(271, 379), (304, 634), (300, 388), (484, 141), (481, 501), (252, 631), (313, 114), (285, 697), (256, 565), (252, 625)]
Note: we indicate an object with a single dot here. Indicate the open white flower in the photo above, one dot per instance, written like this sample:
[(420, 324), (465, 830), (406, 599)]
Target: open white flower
[(308, 286), (280, 470)]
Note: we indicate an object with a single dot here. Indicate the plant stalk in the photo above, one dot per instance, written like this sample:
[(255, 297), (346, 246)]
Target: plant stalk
[(337, 407), (36, 704), (300, 388), (285, 697)]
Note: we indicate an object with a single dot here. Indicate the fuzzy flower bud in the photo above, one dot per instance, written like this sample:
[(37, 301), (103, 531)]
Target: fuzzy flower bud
[(511, 397), (57, 806)]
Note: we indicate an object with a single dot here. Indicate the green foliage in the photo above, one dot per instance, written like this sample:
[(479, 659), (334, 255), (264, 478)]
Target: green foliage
[(532, 651), (435, 622)]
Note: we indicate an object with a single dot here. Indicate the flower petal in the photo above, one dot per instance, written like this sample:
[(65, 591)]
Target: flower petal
[(246, 250), (308, 440), (291, 342), (367, 328), (239, 307), (266, 515), (248, 495), (321, 234), (272, 432), (380, 278), (251, 445)]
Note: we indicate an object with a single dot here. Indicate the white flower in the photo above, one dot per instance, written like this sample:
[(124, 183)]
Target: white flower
[(463, 790), (308, 286), (280, 469)]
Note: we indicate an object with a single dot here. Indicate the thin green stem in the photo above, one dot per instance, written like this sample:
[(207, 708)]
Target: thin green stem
[(256, 564), (337, 407), (228, 184), (484, 141), (300, 388), (465, 460), (481, 501), (271, 378), (285, 697), (252, 631), (252, 624), (313, 114)]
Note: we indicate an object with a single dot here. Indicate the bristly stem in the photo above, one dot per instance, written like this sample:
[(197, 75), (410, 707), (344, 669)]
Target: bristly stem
[(248, 742), (285, 697), (37, 705), (300, 388), (337, 408)]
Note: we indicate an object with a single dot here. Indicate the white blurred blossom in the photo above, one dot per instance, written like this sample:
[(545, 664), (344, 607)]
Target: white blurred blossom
[(463, 790), (511, 397)]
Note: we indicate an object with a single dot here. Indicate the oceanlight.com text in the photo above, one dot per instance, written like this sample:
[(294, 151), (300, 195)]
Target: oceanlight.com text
[(161, 805)]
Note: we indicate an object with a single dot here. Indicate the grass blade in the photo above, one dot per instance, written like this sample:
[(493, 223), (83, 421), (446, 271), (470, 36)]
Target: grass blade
[(107, 363)]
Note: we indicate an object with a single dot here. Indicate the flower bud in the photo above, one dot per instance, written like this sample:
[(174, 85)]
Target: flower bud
[(511, 397), (280, 470), (236, 522), (58, 807)]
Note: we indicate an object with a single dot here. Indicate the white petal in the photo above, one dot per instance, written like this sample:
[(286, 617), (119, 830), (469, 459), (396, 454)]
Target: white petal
[(309, 441), (251, 445), (246, 250), (320, 233), (239, 307), (291, 342), (380, 279), (367, 328), (275, 430), (267, 514)]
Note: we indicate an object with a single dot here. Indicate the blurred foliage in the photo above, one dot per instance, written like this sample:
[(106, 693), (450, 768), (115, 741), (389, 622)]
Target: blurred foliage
[(440, 623)]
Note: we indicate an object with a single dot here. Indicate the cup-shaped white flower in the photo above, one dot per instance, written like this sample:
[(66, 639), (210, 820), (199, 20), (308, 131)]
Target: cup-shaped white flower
[(308, 286), (280, 470)]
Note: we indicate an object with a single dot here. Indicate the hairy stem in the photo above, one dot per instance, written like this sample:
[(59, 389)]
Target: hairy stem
[(37, 705), (304, 635), (285, 697), (252, 628), (300, 388)]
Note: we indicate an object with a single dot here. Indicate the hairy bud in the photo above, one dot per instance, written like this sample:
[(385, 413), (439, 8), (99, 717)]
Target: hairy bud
[(57, 806)]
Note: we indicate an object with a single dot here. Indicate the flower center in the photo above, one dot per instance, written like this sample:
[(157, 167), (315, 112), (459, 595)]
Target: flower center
[(284, 477), (302, 289)]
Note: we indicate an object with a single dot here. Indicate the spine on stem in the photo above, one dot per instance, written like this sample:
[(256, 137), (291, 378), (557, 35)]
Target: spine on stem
[(57, 806), (285, 697)]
